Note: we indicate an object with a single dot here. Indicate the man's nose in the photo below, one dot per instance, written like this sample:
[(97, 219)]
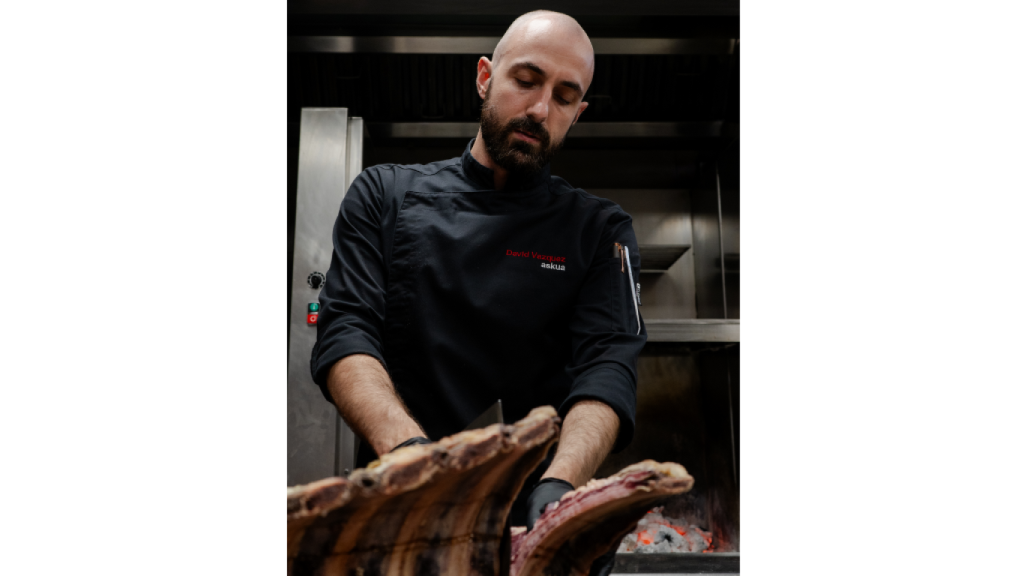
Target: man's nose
[(538, 110)]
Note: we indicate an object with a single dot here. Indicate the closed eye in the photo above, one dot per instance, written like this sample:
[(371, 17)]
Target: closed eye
[(524, 83)]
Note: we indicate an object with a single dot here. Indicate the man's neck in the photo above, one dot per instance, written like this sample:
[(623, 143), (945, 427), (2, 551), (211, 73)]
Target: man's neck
[(479, 152)]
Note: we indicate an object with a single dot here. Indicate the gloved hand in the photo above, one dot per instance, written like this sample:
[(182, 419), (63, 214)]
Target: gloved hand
[(604, 563), (551, 490), (546, 491), (412, 441)]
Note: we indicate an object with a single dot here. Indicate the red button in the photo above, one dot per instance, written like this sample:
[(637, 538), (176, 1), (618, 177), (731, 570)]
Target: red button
[(311, 318)]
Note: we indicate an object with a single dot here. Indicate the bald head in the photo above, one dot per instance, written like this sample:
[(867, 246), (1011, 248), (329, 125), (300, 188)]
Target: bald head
[(553, 33), (532, 92)]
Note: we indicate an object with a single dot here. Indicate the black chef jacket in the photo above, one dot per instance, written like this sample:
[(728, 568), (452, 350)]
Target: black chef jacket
[(468, 294)]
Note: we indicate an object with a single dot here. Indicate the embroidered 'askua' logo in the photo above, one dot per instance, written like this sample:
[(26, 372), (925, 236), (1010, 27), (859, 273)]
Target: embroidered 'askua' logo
[(550, 262)]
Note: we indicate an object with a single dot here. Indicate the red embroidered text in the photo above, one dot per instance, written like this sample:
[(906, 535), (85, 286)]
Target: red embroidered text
[(529, 254)]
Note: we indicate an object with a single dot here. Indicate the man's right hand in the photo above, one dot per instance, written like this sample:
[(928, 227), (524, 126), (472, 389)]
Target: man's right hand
[(411, 442)]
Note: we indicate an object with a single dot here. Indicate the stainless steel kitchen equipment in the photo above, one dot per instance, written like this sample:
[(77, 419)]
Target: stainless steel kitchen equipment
[(329, 158)]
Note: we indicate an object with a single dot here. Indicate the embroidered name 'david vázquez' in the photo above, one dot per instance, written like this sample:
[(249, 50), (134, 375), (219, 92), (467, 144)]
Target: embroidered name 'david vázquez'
[(550, 262)]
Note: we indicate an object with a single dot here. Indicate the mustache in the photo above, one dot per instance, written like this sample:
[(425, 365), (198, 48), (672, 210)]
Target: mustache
[(526, 125)]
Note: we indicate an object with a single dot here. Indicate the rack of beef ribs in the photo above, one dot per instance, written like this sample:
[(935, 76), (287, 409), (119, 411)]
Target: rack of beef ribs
[(422, 510)]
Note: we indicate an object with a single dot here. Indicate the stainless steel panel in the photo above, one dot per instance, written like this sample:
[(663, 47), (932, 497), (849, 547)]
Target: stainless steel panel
[(394, 44), (611, 164), (663, 45), (322, 178), (730, 198), (692, 330), (484, 45), (658, 258), (581, 130), (646, 130), (354, 158), (721, 243), (661, 216), (422, 129), (707, 248)]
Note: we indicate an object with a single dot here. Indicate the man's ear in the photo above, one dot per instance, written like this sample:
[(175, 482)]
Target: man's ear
[(483, 75), (583, 106)]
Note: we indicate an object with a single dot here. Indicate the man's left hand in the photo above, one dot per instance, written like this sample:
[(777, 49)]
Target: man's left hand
[(551, 490), (546, 491)]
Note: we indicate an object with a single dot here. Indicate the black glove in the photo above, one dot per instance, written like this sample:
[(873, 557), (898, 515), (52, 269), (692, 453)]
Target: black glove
[(411, 441), (551, 490), (544, 492), (603, 564)]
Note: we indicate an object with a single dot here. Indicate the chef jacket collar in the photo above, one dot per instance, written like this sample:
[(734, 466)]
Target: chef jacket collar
[(484, 176)]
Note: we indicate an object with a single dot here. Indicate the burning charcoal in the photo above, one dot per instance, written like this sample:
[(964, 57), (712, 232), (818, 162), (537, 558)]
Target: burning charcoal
[(657, 533), (659, 539), (695, 540), (670, 538), (628, 544)]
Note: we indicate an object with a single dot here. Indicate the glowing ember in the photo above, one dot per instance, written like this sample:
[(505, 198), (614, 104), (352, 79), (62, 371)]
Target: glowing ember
[(658, 533)]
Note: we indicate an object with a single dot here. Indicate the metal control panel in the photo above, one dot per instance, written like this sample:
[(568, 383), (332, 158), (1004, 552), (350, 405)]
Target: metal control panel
[(330, 156)]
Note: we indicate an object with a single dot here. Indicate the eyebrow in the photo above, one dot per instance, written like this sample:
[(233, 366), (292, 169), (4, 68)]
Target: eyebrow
[(539, 70)]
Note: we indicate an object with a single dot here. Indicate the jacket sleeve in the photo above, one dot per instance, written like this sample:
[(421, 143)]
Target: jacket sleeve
[(352, 300), (607, 330)]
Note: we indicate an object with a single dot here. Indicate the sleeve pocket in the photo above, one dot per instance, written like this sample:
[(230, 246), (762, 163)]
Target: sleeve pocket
[(620, 293)]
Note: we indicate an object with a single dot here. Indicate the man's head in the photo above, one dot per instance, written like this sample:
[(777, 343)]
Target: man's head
[(533, 89)]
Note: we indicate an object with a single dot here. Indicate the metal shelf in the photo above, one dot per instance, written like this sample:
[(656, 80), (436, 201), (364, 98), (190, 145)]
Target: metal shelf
[(693, 330), (658, 258), (714, 129), (482, 45), (652, 564)]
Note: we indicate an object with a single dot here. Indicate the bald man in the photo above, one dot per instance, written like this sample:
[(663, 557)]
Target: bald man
[(458, 283)]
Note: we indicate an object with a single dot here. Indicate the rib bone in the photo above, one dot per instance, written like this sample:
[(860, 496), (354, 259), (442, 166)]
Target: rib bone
[(588, 521)]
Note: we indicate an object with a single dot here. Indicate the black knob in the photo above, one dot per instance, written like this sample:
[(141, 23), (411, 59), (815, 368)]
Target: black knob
[(315, 280)]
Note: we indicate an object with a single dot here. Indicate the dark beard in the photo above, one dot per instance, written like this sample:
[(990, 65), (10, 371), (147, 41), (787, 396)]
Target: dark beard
[(512, 154)]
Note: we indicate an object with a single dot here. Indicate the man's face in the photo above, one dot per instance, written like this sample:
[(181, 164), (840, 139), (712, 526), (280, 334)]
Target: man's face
[(517, 144), (533, 96)]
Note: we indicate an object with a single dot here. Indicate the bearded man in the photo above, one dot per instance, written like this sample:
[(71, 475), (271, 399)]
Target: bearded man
[(461, 282)]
